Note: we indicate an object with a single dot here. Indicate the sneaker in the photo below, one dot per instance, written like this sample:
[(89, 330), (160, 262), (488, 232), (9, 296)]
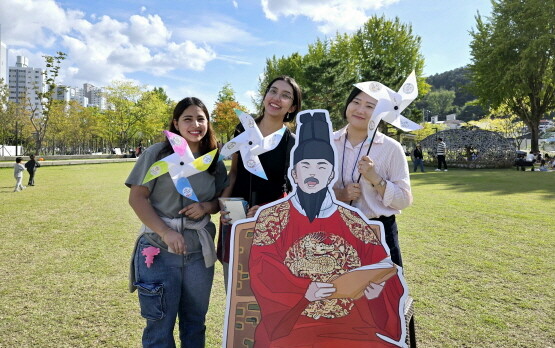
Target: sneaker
[(445, 170), (438, 170)]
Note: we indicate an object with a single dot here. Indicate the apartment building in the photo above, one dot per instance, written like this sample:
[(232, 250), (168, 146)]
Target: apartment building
[(25, 83)]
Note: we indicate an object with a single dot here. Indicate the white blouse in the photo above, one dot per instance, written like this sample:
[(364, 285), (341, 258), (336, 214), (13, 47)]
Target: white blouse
[(390, 163)]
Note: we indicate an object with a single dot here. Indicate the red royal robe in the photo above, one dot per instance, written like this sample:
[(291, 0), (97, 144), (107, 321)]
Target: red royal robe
[(289, 252)]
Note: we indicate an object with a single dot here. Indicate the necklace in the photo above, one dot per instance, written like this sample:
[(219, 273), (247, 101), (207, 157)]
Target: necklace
[(356, 160)]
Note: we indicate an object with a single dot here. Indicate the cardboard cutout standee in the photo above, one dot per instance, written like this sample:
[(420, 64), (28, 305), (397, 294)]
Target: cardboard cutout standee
[(311, 271)]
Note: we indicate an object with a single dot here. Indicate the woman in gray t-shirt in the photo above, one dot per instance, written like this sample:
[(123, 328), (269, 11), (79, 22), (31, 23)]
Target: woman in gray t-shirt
[(173, 261)]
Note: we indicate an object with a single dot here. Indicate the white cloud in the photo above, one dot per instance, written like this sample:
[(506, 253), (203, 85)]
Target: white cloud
[(235, 4), (148, 30), (218, 31), (184, 55), (34, 21), (99, 49), (333, 15)]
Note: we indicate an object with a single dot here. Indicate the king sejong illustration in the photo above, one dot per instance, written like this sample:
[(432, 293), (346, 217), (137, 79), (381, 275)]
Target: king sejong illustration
[(309, 270)]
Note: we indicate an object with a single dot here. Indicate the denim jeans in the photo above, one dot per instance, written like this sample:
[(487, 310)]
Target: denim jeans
[(418, 162), (174, 285)]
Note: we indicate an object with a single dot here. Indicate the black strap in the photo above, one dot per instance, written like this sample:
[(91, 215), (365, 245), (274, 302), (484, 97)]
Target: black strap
[(287, 159)]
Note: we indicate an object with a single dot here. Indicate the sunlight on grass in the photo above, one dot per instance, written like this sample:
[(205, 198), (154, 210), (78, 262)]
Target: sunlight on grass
[(477, 248)]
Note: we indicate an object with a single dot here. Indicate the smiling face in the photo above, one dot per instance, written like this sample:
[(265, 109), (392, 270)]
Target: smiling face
[(359, 111), (278, 101), (192, 125), (312, 175)]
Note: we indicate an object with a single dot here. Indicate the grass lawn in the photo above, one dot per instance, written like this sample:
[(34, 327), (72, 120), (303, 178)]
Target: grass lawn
[(477, 247)]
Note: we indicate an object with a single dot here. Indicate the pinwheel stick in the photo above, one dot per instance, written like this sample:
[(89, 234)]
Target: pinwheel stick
[(367, 153)]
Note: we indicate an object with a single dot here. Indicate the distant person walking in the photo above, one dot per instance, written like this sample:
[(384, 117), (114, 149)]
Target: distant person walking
[(418, 159), (32, 166), (441, 150), (18, 170)]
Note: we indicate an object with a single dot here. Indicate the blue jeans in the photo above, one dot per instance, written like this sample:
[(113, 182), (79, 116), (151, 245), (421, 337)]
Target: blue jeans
[(174, 285), (418, 162)]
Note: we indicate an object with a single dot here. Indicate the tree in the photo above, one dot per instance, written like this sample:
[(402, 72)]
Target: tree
[(122, 119), (387, 51), (329, 90), (440, 102), (6, 117), (382, 50), (456, 80), (40, 120), (290, 66), (513, 59), (161, 93), (154, 111), (471, 111), (503, 121), (14, 120), (427, 130), (224, 118)]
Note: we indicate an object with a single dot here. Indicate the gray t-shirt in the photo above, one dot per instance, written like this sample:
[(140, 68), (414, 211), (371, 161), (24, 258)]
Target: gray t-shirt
[(165, 199)]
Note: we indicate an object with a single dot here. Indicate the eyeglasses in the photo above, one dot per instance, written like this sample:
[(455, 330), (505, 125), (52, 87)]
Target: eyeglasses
[(283, 96)]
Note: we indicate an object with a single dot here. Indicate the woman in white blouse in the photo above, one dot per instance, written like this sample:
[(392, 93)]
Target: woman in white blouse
[(384, 186)]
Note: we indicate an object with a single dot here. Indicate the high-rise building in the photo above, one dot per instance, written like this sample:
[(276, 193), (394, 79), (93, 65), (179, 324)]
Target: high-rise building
[(66, 93), (25, 83), (95, 95), (78, 94)]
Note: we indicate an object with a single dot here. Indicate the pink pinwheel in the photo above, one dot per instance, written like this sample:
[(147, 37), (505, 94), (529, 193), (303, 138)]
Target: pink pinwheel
[(180, 165)]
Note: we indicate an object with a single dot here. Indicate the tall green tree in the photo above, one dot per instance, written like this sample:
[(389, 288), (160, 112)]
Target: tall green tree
[(154, 111), (440, 102), (329, 90), (387, 51), (40, 120), (15, 124), (291, 66), (381, 50), (161, 93), (122, 120), (513, 59), (224, 118)]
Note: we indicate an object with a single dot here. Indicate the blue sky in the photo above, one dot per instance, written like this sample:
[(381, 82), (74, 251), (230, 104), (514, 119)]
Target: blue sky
[(192, 48)]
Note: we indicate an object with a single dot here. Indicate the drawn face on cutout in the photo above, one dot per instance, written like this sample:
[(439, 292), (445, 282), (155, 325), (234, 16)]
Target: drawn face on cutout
[(312, 175)]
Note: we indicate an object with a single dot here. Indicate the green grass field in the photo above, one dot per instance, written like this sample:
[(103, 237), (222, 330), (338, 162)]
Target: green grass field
[(477, 247)]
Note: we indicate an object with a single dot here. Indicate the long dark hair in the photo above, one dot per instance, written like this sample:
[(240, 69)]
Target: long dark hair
[(207, 143), (354, 92), (297, 97)]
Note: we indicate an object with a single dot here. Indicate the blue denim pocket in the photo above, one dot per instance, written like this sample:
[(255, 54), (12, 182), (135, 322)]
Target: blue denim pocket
[(151, 299)]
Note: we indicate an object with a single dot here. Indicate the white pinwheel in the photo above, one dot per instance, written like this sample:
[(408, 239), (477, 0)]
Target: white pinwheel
[(180, 165), (391, 104), (251, 143)]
